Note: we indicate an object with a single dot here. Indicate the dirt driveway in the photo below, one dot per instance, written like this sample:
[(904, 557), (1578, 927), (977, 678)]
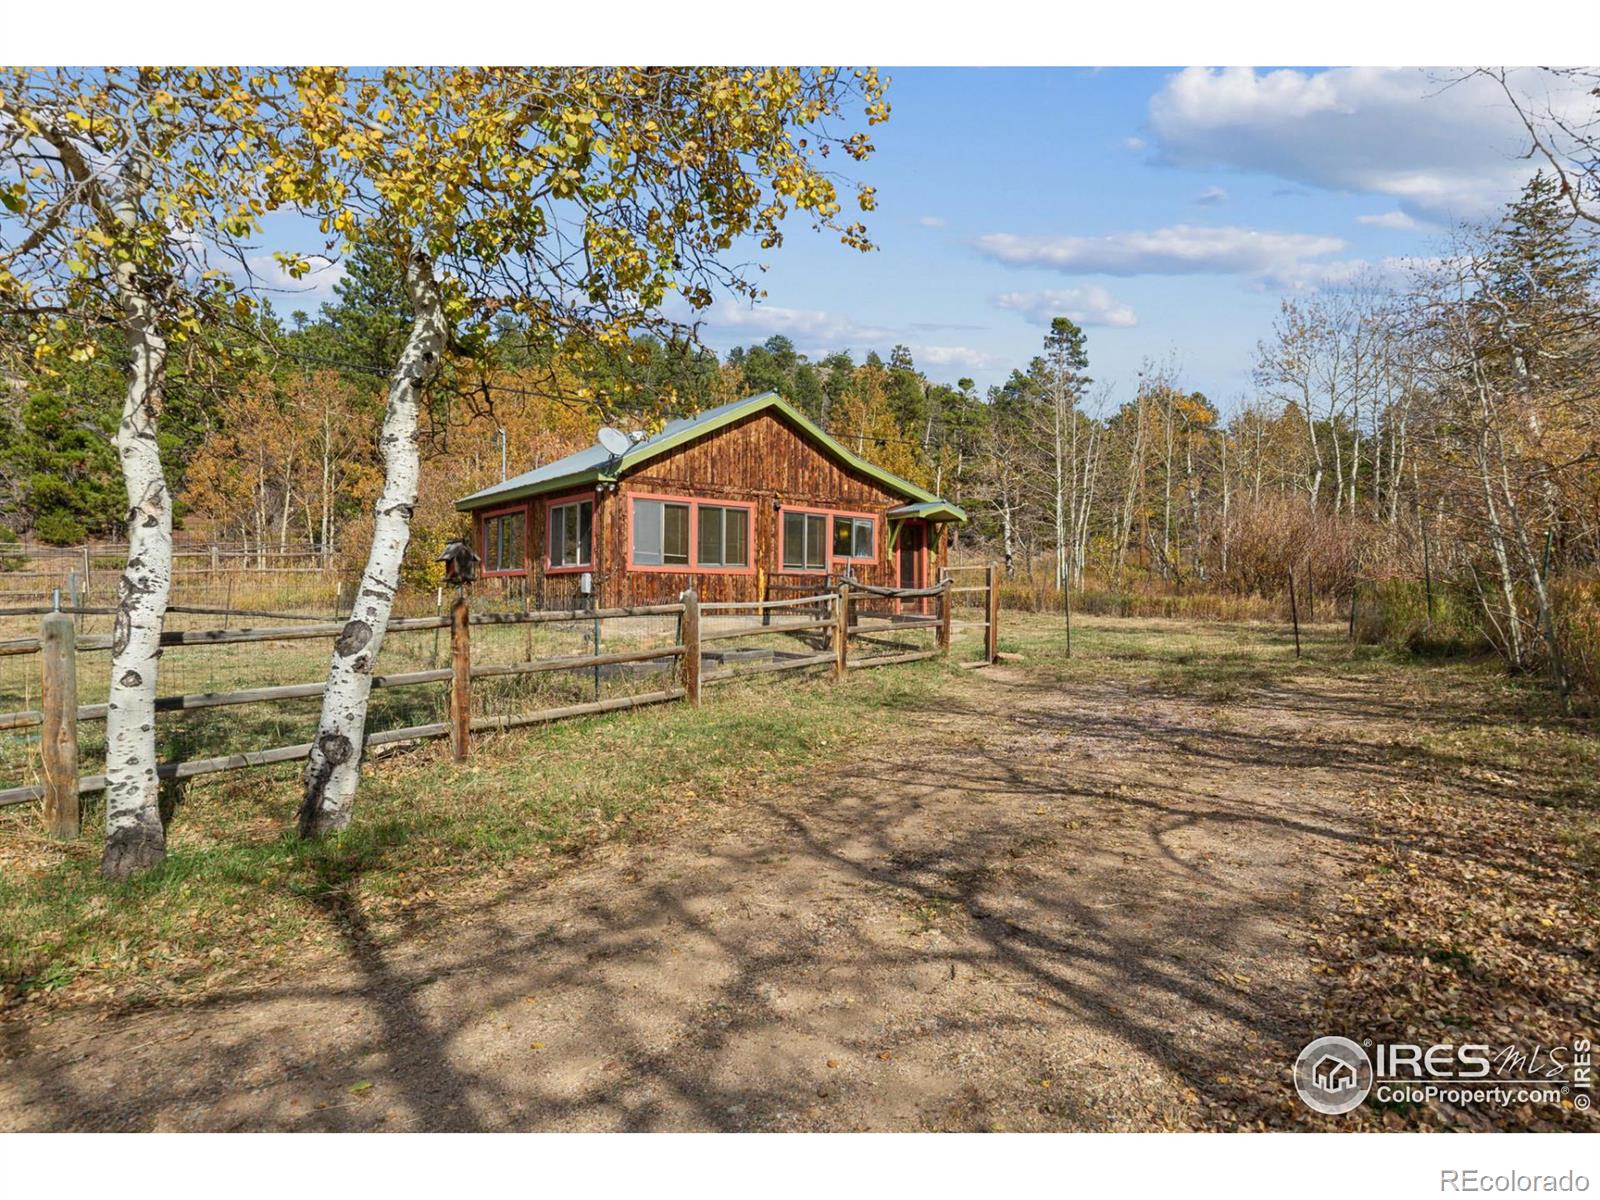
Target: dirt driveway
[(1046, 910)]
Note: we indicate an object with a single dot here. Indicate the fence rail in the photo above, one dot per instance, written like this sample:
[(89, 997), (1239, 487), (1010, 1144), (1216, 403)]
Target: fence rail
[(686, 658)]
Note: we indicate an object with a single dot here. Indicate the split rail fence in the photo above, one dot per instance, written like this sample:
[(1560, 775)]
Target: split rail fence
[(846, 628)]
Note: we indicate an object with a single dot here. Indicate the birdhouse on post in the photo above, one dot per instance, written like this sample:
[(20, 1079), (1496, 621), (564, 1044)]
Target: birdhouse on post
[(460, 563)]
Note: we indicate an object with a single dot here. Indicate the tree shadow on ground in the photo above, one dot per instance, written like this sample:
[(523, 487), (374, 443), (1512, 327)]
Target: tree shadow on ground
[(1037, 887)]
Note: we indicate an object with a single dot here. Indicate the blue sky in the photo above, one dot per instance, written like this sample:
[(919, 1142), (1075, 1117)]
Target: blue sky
[(1168, 211)]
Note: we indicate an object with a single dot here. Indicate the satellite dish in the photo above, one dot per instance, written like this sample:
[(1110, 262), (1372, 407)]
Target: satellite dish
[(614, 440)]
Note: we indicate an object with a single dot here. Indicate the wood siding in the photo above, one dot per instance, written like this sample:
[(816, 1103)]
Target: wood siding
[(760, 460)]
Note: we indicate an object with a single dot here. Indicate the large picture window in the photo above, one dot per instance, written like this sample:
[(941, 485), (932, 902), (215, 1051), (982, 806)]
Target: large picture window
[(805, 546), (571, 530), (660, 533), (852, 537), (504, 540), (724, 535)]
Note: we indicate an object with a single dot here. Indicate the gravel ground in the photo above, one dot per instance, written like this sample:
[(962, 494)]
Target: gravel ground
[(1043, 909)]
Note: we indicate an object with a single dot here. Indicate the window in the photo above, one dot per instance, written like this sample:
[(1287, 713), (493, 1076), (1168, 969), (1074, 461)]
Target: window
[(504, 537), (852, 537), (724, 536), (804, 541), (571, 527), (660, 533)]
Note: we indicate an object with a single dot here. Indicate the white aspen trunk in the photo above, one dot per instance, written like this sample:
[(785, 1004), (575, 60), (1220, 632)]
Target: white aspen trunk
[(1535, 568), (1497, 542), (334, 767), (1074, 559), (1084, 500), (1397, 466), (1223, 531), (327, 488), (1060, 498), (1193, 485), (135, 839), (1255, 481), (1377, 459), (1166, 491), (1355, 471), (261, 508), (1135, 472), (288, 502)]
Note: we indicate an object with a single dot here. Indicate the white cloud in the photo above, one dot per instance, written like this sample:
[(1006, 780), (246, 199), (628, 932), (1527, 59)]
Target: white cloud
[(1439, 145), (931, 222), (953, 356), (1087, 305), (1212, 195), (1135, 144), (813, 327), (945, 326), (1175, 250), (1389, 220), (1341, 273)]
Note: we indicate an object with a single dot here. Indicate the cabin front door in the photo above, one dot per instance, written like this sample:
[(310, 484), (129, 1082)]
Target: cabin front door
[(913, 559)]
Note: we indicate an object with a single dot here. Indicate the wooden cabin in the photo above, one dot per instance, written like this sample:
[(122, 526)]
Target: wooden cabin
[(747, 501)]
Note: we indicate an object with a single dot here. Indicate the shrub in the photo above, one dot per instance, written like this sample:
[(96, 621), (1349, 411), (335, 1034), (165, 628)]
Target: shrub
[(11, 556), (59, 529)]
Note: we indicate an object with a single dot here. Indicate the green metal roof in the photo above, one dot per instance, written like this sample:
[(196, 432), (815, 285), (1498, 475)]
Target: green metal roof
[(598, 465), (934, 510)]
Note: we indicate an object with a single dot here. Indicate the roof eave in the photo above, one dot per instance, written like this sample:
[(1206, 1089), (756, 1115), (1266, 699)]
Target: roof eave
[(527, 491)]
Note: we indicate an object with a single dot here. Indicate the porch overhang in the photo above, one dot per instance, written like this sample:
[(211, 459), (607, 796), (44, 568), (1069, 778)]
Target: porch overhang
[(928, 510)]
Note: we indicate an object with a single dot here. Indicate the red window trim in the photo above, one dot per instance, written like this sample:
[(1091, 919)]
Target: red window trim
[(827, 537), (552, 503), (693, 567), (504, 510)]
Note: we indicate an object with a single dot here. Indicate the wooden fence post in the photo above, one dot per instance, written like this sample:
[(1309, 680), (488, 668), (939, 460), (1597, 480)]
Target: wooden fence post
[(58, 747), (690, 624), (1294, 615), (841, 632), (944, 614), (761, 595), (991, 633), (460, 679)]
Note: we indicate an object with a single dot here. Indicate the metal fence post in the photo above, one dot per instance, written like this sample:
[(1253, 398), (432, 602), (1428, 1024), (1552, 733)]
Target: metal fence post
[(460, 679), (1294, 615), (58, 748), (691, 645), (991, 634), (841, 632)]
